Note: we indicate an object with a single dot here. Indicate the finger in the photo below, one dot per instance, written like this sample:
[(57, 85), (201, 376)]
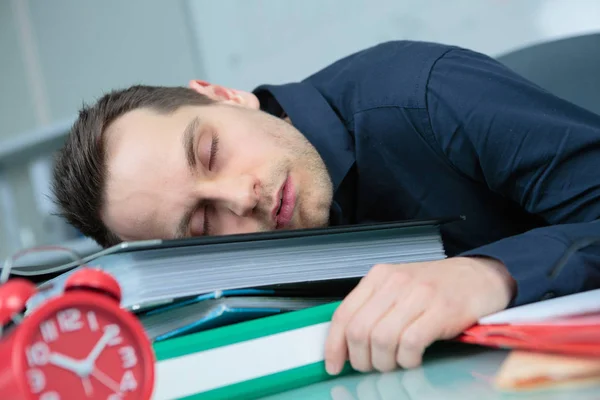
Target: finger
[(336, 350), (419, 335), (366, 389), (386, 334), (340, 392), (390, 387), (360, 327)]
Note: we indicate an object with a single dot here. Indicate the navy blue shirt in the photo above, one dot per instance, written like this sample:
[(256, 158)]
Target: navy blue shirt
[(413, 130)]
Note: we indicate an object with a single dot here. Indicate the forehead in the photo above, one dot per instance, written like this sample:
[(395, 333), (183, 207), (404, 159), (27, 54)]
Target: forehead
[(146, 124), (145, 168)]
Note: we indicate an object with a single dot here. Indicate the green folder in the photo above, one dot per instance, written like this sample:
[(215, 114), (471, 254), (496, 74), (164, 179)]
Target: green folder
[(247, 360)]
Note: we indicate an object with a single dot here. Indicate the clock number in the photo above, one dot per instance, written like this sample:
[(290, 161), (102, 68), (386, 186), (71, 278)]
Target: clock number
[(37, 354), (36, 379), (49, 331), (128, 382), (69, 320), (128, 357), (50, 396), (92, 321), (114, 329)]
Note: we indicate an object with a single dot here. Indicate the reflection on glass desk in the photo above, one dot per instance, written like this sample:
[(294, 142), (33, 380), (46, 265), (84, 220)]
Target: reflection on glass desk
[(449, 371)]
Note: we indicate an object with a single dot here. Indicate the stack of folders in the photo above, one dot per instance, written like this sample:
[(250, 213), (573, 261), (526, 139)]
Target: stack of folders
[(220, 309), (567, 325), (555, 342), (197, 294), (326, 260)]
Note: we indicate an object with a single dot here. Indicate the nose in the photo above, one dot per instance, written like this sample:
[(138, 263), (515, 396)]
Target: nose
[(238, 194)]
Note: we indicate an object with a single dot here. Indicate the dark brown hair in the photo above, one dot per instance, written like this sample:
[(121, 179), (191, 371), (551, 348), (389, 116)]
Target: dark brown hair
[(80, 167)]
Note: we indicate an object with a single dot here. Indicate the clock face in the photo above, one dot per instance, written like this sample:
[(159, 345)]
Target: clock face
[(83, 351)]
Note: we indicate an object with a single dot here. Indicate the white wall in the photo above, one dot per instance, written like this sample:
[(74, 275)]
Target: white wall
[(246, 43), (57, 54), (15, 101)]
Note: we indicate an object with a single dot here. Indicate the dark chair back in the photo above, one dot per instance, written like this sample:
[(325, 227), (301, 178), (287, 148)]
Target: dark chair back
[(569, 68)]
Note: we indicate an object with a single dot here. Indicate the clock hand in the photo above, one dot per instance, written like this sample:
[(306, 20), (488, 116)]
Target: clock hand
[(106, 380), (89, 361), (68, 363), (87, 386)]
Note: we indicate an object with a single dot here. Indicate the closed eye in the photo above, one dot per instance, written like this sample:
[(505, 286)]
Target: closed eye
[(214, 149), (207, 225)]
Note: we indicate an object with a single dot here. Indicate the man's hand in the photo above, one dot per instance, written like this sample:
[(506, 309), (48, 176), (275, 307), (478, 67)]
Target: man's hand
[(396, 311)]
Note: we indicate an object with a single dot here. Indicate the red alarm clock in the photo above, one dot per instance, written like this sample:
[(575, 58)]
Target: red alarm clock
[(79, 345)]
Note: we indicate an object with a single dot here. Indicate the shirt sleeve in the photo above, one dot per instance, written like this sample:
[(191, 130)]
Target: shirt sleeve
[(533, 148)]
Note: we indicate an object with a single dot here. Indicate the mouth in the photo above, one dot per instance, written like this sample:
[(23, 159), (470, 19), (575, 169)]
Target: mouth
[(284, 209)]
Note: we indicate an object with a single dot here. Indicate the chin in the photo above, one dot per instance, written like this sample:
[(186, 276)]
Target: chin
[(312, 224)]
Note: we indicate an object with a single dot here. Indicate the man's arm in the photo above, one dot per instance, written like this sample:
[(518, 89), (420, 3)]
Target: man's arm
[(541, 152), (533, 148)]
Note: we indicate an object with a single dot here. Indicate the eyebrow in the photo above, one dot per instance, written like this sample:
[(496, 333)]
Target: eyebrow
[(182, 228), (189, 136)]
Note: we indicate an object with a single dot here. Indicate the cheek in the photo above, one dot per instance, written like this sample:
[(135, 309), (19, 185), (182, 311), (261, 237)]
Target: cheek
[(230, 224), (197, 223), (249, 153)]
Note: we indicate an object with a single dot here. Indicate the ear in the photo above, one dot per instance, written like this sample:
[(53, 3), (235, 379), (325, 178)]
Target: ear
[(225, 95)]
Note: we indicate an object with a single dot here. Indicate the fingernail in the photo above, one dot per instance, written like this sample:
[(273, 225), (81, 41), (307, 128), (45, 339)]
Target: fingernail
[(331, 368)]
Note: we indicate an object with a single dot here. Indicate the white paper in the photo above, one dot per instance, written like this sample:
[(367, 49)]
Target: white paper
[(559, 307)]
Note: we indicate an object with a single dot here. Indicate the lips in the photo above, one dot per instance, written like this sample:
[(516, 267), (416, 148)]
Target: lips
[(280, 202), (284, 210)]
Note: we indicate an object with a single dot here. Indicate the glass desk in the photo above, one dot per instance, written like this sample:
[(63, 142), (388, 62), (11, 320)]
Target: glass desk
[(449, 371)]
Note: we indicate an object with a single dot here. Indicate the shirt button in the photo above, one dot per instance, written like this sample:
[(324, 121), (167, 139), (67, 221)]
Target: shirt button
[(548, 295)]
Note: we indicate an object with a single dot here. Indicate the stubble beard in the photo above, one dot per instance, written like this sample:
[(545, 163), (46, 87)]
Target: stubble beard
[(314, 189), (314, 192)]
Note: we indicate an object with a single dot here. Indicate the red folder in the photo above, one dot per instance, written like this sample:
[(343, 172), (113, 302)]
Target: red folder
[(567, 325), (575, 339)]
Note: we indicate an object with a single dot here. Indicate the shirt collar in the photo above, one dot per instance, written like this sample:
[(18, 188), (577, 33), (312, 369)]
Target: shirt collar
[(312, 115)]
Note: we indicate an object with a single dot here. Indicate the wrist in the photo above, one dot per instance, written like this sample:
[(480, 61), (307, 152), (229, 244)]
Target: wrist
[(497, 278)]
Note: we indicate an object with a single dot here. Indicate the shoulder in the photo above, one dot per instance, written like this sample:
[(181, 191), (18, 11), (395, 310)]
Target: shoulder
[(390, 74)]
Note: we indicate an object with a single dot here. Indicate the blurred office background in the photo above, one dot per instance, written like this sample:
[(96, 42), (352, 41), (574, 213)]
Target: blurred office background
[(55, 55)]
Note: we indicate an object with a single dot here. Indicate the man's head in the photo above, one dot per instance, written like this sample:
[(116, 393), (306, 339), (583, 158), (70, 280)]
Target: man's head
[(161, 162)]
